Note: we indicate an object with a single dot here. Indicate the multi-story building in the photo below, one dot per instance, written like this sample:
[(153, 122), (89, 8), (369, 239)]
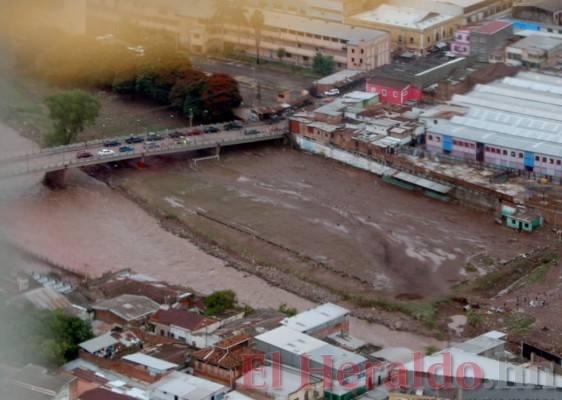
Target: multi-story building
[(535, 51), (301, 38), (332, 10), (410, 29), (543, 11), (480, 39)]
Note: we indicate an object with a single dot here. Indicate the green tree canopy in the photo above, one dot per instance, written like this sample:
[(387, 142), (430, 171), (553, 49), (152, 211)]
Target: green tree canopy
[(48, 338), (70, 112), (220, 301), (322, 64), (281, 53)]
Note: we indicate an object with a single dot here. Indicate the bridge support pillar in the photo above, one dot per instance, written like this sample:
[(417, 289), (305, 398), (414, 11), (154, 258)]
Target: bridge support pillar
[(55, 179), (218, 150), (140, 163)]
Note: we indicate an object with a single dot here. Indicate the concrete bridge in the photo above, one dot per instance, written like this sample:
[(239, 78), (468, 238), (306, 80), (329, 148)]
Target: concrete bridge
[(54, 162)]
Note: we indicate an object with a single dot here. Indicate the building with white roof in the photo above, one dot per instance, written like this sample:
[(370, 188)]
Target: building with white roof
[(281, 383), (152, 364), (322, 320), (180, 386), (317, 358), (466, 375), (514, 123), (489, 345)]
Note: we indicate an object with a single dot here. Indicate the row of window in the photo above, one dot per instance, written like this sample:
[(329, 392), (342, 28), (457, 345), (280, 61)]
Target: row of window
[(549, 160), (495, 150), (394, 93), (460, 143), (362, 51)]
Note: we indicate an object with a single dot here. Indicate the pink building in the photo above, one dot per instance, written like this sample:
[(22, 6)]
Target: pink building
[(393, 91), (481, 38)]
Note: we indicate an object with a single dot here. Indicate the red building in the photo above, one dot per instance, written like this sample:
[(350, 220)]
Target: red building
[(393, 91)]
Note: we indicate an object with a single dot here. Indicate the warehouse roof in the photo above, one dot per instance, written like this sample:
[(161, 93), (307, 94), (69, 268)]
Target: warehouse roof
[(402, 17), (128, 306), (318, 316)]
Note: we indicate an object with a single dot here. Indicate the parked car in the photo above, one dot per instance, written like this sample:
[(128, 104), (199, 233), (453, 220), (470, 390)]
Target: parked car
[(124, 149), (134, 139), (84, 154), (211, 129), (182, 141), (194, 132), (332, 92), (151, 145), (105, 152), (112, 143), (154, 136), (251, 132), (232, 126)]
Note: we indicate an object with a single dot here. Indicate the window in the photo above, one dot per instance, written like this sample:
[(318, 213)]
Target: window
[(353, 50), (434, 122), (505, 152), (455, 142), (557, 162), (384, 92), (544, 159), (428, 39), (437, 138), (550, 161), (520, 155), (512, 154), (487, 148), (537, 158), (399, 38), (430, 137), (411, 40), (353, 59), (394, 93), (360, 61), (362, 51)]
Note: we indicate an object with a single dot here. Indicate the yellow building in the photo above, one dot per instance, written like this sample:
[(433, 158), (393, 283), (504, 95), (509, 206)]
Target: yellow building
[(410, 29)]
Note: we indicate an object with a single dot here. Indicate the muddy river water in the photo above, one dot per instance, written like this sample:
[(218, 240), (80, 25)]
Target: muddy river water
[(93, 228)]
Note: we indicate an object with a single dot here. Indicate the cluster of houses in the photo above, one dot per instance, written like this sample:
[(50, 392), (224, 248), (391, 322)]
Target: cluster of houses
[(168, 350)]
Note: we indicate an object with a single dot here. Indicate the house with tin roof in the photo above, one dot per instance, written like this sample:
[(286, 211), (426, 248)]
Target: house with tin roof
[(181, 324), (125, 309)]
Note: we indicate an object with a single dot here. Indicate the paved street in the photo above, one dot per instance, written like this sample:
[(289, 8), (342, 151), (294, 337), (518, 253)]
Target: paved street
[(271, 81)]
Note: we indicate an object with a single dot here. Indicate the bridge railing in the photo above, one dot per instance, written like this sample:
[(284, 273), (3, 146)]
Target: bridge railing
[(196, 142)]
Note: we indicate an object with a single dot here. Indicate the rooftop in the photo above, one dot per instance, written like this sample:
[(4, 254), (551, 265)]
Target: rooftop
[(99, 343), (315, 317), (129, 307), (33, 379), (150, 362), (103, 394), (405, 17), (349, 34), (290, 340), (187, 386), (338, 77), (480, 344), (490, 369), (181, 318), (546, 43), (291, 381)]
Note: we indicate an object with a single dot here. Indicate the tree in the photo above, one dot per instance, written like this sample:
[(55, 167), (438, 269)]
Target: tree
[(323, 65), (70, 112), (257, 20), (220, 301), (221, 95), (281, 53)]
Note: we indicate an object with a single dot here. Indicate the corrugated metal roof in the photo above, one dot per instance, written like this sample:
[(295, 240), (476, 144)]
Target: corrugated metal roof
[(47, 298), (425, 183), (98, 343), (318, 316), (150, 362), (290, 340)]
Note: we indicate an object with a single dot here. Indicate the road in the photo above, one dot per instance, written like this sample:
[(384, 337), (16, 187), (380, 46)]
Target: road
[(67, 156), (249, 75)]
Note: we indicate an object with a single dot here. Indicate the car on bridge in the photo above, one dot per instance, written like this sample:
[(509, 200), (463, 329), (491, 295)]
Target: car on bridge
[(155, 136), (232, 126), (151, 145), (251, 132), (125, 149), (176, 134), (112, 143), (211, 129), (105, 152), (134, 139), (332, 92), (84, 154), (194, 132)]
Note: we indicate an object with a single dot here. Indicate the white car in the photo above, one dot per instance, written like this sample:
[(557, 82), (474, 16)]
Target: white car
[(332, 92), (105, 152)]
